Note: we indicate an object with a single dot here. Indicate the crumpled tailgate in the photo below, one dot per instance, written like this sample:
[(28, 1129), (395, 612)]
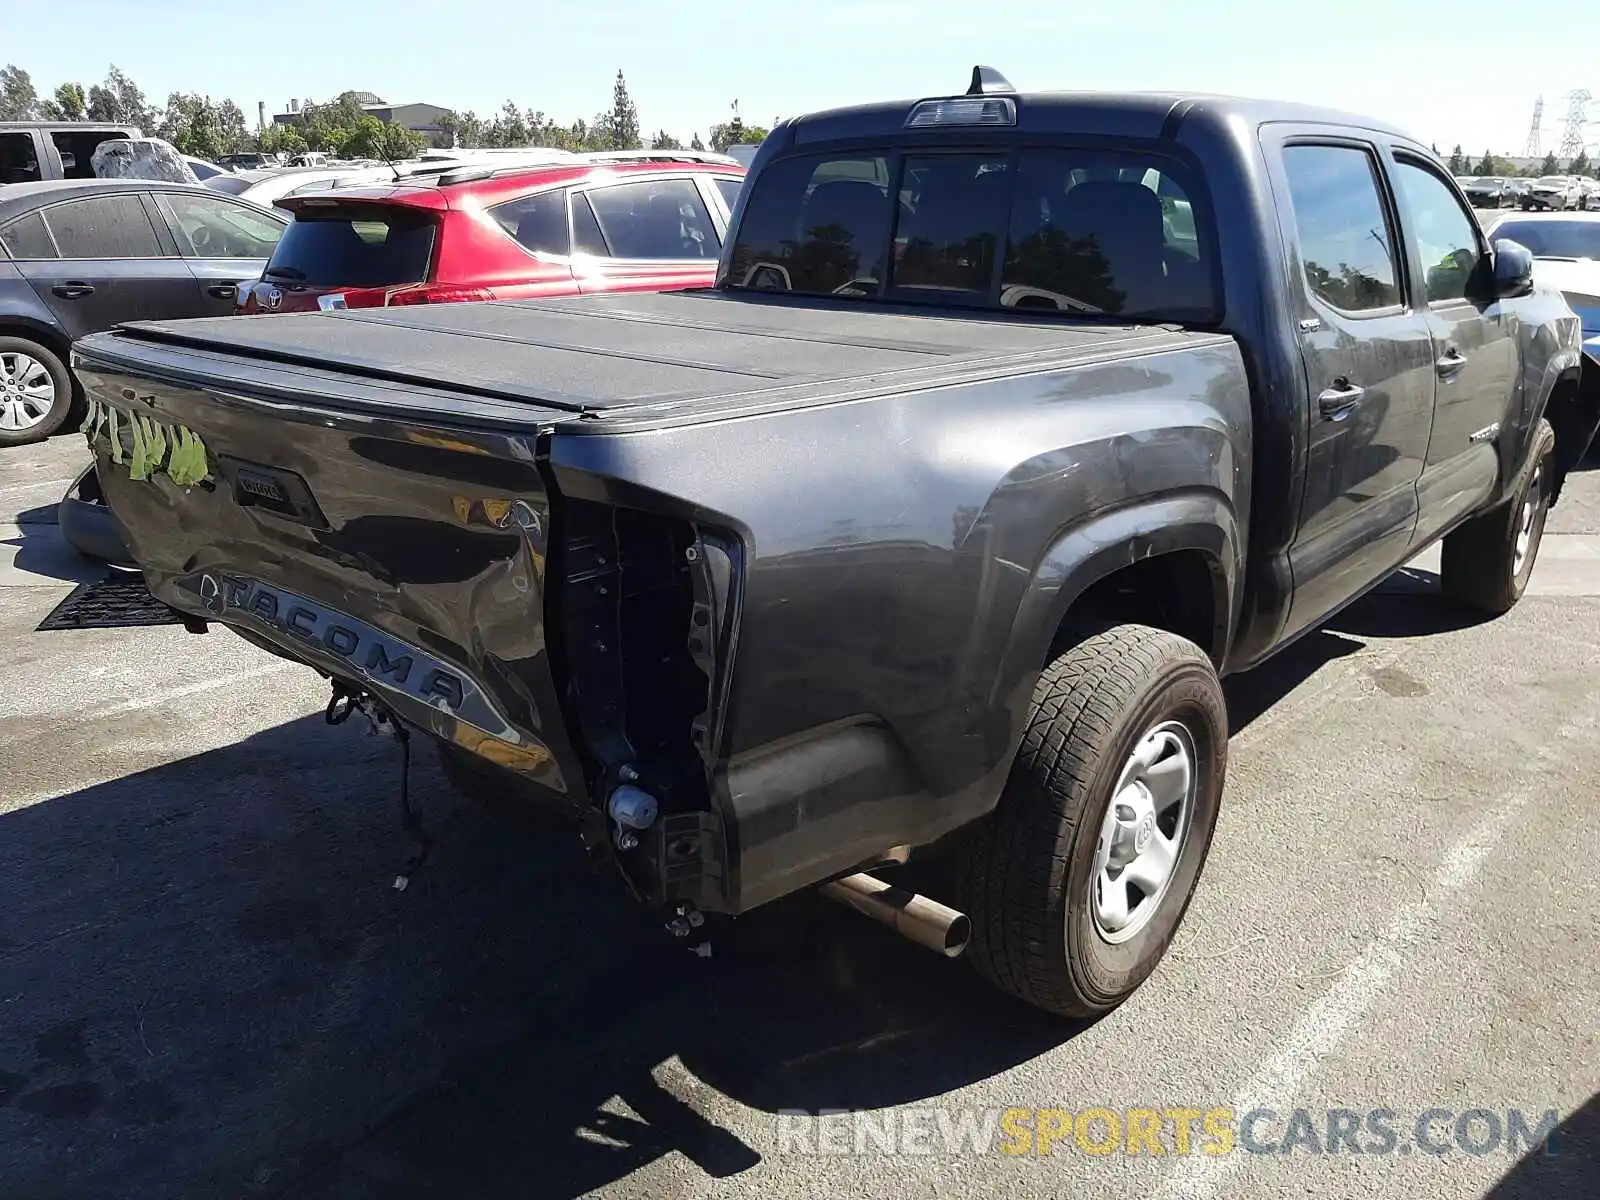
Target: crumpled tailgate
[(394, 550)]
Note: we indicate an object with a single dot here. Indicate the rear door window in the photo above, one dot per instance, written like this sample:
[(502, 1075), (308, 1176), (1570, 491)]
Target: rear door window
[(729, 188), (537, 222), (27, 238), (77, 150), (370, 246), (658, 218), (586, 235), (211, 227), (103, 227), (19, 161), (1346, 245)]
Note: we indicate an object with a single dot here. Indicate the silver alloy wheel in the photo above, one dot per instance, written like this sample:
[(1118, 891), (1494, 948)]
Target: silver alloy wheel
[(1143, 832), (27, 392), (1532, 501)]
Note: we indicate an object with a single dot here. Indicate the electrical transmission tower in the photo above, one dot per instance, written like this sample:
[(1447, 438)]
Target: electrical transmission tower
[(1577, 121), (1531, 150)]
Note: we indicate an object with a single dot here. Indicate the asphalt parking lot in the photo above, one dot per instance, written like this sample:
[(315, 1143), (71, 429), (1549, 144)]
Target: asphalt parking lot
[(208, 986)]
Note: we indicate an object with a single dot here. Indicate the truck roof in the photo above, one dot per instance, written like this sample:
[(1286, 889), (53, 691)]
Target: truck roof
[(69, 126), (1101, 114)]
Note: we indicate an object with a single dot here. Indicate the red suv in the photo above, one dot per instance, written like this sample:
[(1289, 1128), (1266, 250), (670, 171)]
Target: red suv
[(641, 221)]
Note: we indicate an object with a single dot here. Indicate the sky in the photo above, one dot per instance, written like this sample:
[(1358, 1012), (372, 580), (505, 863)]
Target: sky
[(1466, 71)]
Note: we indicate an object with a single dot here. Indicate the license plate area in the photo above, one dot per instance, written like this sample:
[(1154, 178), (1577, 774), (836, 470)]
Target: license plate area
[(273, 489)]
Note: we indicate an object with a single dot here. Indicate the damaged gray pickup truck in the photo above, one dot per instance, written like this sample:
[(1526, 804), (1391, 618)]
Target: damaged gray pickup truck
[(1012, 422)]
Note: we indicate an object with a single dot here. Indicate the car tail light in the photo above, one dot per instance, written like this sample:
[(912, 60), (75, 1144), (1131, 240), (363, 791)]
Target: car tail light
[(438, 294)]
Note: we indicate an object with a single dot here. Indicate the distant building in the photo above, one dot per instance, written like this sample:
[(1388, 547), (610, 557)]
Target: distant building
[(419, 118)]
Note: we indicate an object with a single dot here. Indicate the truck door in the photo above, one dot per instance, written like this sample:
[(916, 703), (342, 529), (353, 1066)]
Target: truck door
[(1475, 352), (1369, 366)]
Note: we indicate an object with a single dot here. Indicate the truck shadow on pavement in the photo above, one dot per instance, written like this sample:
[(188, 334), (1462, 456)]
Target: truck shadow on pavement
[(1568, 1165), (210, 987)]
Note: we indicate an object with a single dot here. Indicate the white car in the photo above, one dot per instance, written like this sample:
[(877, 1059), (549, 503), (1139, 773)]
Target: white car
[(1555, 192), (266, 188), (1566, 255)]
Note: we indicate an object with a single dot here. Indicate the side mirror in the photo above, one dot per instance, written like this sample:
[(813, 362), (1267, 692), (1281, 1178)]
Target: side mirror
[(1513, 269)]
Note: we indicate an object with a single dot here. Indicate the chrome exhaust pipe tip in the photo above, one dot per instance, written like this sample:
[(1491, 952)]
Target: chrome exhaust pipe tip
[(915, 917)]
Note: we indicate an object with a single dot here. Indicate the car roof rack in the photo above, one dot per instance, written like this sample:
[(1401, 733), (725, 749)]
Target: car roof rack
[(477, 171), (699, 156)]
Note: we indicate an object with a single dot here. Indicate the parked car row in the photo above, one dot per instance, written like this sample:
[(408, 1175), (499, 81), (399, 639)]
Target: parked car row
[(79, 256), (1558, 192)]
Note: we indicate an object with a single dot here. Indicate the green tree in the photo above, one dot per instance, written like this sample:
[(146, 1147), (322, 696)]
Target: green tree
[(665, 141), (191, 123), (1485, 165), (369, 137), (1581, 165), (68, 104), (509, 128), (1550, 166), (464, 130), (735, 133), (235, 130), (695, 143), (1456, 160), (19, 99), (327, 126), (281, 139), (620, 127), (119, 99)]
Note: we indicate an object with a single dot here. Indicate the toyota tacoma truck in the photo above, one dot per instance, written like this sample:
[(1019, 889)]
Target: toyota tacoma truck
[(1012, 422)]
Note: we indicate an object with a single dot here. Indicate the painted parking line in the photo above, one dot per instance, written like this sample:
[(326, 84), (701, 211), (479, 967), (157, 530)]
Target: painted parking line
[(1333, 1016), (169, 695)]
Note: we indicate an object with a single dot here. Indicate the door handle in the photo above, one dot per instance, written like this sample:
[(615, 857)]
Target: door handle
[(73, 289), (1339, 401), (223, 291), (1450, 363)]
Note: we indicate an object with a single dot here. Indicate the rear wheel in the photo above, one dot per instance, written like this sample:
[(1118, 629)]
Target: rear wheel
[(35, 392), (1487, 562), (1077, 881)]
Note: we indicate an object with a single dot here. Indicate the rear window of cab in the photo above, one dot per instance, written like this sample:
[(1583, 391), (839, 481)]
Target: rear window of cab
[(1093, 232)]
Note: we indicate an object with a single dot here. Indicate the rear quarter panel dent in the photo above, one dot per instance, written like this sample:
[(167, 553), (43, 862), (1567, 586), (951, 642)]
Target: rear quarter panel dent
[(891, 542)]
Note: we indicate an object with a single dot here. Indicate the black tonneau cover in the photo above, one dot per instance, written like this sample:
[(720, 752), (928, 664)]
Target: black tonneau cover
[(597, 354)]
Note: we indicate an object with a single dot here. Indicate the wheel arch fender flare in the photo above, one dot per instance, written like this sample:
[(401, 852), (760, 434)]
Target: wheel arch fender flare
[(1087, 552), (1582, 373)]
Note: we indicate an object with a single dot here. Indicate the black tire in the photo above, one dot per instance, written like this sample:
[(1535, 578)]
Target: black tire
[(1026, 874), (1480, 567), (61, 405)]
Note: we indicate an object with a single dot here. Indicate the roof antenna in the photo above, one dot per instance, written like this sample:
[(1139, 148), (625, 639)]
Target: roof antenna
[(389, 162), (986, 81)]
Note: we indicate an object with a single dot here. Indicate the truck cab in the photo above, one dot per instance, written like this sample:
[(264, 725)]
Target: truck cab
[(31, 151)]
